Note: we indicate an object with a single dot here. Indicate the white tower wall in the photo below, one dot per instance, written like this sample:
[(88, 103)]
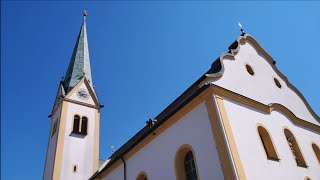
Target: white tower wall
[(51, 149), (78, 149)]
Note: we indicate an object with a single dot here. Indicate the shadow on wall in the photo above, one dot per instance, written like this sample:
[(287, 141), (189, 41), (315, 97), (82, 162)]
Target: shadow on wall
[(77, 135)]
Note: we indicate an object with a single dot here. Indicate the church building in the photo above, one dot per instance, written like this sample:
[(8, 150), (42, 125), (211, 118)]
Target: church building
[(242, 119)]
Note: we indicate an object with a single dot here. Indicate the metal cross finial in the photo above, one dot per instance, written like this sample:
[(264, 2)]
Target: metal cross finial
[(241, 28), (85, 12), (84, 15)]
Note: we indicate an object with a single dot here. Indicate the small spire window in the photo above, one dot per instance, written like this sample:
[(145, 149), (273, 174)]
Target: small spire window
[(80, 126), (294, 147)]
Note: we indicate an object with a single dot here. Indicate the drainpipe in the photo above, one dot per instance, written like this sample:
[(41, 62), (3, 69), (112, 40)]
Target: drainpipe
[(124, 169)]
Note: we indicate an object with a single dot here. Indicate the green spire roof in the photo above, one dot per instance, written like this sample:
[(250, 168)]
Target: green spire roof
[(79, 65)]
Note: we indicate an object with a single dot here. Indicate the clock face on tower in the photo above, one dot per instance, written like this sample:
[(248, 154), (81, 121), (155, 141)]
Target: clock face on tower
[(83, 94)]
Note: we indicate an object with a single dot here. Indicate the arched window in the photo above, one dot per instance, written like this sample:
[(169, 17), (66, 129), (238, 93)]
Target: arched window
[(267, 144), (189, 167), (84, 125), (76, 124), (316, 151), (80, 126), (293, 145), (185, 164), (142, 176)]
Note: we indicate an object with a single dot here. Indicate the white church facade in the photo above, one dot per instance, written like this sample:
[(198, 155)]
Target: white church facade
[(242, 119)]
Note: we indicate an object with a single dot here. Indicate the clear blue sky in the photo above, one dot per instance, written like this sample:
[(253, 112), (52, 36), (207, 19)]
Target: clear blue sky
[(143, 56)]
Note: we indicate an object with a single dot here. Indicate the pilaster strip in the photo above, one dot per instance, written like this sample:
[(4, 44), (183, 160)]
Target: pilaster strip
[(96, 141), (233, 148), (217, 132), (60, 142)]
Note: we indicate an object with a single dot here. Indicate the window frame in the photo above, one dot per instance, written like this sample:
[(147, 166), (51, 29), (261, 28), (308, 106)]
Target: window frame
[(79, 131), (317, 154), (83, 118), (297, 149), (73, 124), (189, 161), (141, 175), (179, 161), (269, 155)]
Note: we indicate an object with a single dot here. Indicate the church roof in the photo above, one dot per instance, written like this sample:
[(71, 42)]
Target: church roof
[(79, 65)]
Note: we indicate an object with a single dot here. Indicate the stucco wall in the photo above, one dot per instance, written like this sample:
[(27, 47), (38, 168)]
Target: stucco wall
[(115, 174), (78, 149), (244, 121), (157, 157), (261, 86), (51, 147)]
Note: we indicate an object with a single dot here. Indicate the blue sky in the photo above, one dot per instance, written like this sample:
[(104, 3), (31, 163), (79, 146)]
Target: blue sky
[(143, 56)]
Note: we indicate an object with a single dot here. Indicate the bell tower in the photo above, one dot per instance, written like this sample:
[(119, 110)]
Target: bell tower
[(73, 145)]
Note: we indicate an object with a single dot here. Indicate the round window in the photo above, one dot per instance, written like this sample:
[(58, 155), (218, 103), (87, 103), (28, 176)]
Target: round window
[(250, 70), (277, 82)]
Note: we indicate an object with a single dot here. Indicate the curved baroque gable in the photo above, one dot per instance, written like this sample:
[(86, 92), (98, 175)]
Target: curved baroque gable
[(261, 85)]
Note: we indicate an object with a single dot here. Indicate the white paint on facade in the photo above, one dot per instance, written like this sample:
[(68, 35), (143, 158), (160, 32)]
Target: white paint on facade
[(78, 149), (244, 122), (51, 147), (58, 97), (117, 173), (261, 86), (157, 157)]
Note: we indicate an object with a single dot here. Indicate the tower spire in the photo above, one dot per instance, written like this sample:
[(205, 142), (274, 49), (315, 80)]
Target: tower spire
[(79, 65)]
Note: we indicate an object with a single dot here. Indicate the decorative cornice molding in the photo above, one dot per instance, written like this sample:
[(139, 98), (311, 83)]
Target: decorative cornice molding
[(81, 103), (268, 109)]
